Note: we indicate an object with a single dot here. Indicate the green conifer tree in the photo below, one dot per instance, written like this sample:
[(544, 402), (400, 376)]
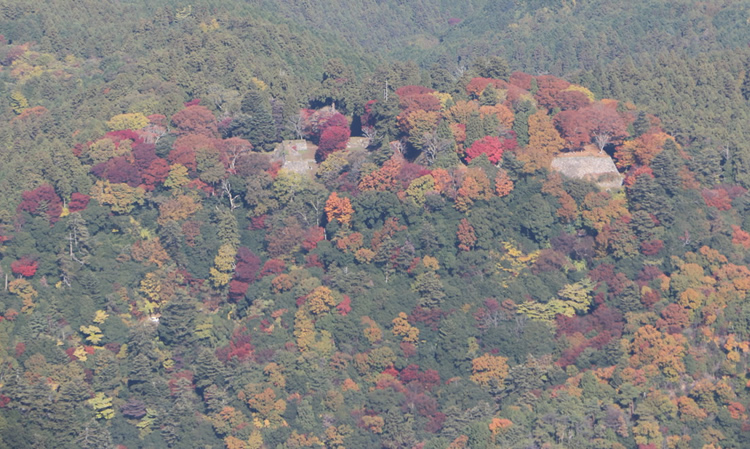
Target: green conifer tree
[(524, 110), (474, 129), (255, 123)]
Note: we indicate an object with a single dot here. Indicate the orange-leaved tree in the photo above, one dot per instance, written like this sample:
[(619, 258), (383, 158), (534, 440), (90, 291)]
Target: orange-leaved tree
[(489, 370), (544, 143), (466, 235), (340, 209)]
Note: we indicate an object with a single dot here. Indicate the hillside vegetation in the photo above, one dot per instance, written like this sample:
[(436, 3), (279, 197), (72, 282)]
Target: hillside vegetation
[(167, 281)]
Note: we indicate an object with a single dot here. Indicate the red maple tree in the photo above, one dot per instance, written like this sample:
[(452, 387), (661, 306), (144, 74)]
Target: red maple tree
[(492, 146), (24, 266)]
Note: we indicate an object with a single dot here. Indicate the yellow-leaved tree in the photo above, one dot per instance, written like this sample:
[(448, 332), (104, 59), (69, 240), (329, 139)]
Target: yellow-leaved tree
[(120, 197), (402, 328), (102, 405), (221, 272), (93, 334), (23, 288), (321, 300), (127, 121), (489, 371)]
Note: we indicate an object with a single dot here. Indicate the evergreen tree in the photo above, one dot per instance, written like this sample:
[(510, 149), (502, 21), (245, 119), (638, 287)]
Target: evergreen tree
[(255, 121), (706, 163), (493, 67), (740, 162), (647, 194), (339, 87), (641, 125), (441, 78), (140, 370), (94, 436), (524, 110), (474, 129), (227, 227), (208, 369), (746, 85), (384, 113), (534, 87), (491, 125), (537, 218), (666, 167), (176, 322), (489, 96)]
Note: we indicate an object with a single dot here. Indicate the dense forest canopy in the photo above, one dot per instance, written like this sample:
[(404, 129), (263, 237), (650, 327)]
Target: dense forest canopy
[(256, 225)]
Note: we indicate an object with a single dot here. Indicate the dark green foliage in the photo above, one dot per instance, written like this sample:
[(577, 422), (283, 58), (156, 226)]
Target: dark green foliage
[(491, 125), (176, 322), (521, 123), (647, 194), (536, 218), (475, 129), (376, 207), (338, 87), (493, 67), (666, 167), (641, 125), (197, 346), (255, 122)]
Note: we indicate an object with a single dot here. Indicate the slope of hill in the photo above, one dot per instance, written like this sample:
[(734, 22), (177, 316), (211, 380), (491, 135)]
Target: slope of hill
[(167, 283)]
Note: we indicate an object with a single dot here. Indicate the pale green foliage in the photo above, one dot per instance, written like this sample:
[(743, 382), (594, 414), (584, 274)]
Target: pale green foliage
[(102, 405)]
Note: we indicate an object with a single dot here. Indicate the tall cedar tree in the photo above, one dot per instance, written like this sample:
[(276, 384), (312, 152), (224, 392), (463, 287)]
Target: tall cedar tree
[(255, 123)]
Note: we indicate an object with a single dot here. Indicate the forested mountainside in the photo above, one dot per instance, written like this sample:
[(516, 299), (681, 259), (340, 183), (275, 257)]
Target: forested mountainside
[(562, 36), (175, 276)]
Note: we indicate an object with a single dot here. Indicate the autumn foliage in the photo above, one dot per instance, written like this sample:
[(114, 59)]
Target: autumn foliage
[(339, 209), (438, 288), (24, 267), (195, 119), (42, 201), (333, 138), (598, 123), (492, 146)]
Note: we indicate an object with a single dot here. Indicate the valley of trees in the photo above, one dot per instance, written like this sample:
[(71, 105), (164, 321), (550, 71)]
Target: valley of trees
[(171, 281)]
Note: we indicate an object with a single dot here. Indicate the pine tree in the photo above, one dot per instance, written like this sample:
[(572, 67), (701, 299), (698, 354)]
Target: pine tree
[(641, 125), (94, 436), (489, 96), (491, 125), (106, 372), (745, 89), (255, 123), (646, 194), (338, 87), (176, 322), (430, 289), (493, 67), (524, 110), (666, 167), (706, 163), (740, 167), (534, 87), (208, 369), (474, 129), (215, 398), (440, 77), (140, 370), (227, 228)]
